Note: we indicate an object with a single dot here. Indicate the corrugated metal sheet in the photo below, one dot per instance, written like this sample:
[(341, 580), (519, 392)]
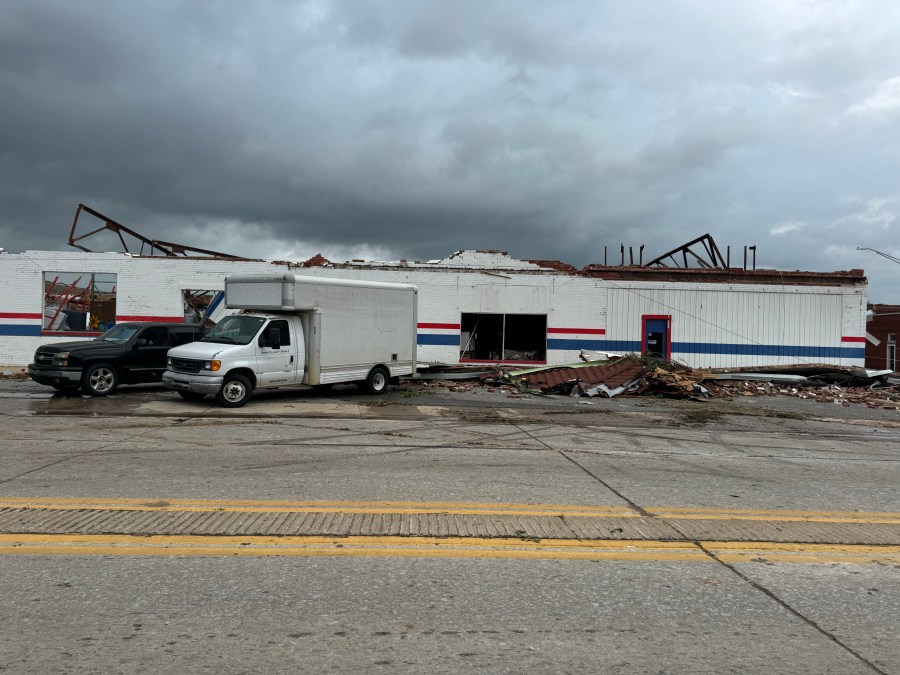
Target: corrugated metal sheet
[(613, 375), (728, 326)]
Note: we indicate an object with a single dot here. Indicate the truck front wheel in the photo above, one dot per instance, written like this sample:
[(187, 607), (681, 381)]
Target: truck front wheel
[(235, 392), (100, 380), (376, 382)]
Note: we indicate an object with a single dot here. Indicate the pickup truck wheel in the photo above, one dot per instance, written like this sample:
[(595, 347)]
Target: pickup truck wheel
[(191, 395), (235, 391), (376, 382), (100, 379)]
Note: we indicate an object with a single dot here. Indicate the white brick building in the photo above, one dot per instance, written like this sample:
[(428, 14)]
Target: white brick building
[(477, 306)]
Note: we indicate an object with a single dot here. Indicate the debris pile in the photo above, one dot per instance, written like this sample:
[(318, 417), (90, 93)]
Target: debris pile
[(623, 375), (887, 396), (633, 375)]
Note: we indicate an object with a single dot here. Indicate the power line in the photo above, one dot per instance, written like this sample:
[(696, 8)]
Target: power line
[(883, 255)]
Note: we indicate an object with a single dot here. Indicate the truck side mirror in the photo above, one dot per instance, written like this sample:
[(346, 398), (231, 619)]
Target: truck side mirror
[(140, 342)]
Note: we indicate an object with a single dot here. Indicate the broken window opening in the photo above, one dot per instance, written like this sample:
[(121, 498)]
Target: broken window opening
[(503, 337), (197, 304), (79, 302)]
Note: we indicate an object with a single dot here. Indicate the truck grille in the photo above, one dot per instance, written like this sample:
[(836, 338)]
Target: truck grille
[(185, 366), (43, 358)]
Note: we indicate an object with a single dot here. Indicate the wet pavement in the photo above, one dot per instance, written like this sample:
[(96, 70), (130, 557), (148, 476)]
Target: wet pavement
[(446, 531)]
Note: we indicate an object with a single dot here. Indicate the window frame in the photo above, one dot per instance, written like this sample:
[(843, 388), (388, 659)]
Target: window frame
[(503, 346), (52, 277), (285, 334)]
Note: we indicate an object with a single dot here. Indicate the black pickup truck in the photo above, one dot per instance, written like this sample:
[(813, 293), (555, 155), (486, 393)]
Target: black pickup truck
[(128, 353)]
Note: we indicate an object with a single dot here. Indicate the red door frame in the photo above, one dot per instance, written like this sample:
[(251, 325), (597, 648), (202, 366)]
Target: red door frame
[(659, 317)]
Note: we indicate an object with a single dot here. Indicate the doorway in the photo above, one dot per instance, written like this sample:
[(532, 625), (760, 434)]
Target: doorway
[(656, 335)]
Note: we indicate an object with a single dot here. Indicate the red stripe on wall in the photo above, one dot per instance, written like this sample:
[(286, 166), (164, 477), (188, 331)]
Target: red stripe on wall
[(72, 333), (448, 326), (20, 315), (847, 338), (163, 319), (582, 331)]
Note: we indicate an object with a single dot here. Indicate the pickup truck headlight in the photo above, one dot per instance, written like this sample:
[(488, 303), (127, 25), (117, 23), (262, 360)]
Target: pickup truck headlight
[(212, 365), (168, 362), (61, 359)]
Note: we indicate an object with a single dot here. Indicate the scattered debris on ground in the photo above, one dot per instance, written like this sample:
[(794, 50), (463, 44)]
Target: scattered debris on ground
[(634, 375)]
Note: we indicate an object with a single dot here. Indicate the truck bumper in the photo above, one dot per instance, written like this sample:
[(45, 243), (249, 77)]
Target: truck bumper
[(201, 384), (53, 376)]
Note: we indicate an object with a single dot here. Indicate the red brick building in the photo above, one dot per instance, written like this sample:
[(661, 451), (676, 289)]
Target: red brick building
[(884, 324)]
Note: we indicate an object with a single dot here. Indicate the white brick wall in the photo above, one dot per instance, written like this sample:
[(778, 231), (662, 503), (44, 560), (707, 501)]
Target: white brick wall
[(718, 314)]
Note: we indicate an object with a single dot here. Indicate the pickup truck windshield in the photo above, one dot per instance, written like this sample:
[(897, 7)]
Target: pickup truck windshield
[(119, 334), (235, 330)]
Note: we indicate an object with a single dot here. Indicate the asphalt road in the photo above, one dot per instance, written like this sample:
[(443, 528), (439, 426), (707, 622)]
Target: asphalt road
[(446, 532)]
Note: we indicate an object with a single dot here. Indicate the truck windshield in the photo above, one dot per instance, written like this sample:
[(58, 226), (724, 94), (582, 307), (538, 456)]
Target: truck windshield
[(235, 330), (119, 334)]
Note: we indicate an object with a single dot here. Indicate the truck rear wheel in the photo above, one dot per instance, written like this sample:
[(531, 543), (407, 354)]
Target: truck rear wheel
[(235, 392), (377, 381)]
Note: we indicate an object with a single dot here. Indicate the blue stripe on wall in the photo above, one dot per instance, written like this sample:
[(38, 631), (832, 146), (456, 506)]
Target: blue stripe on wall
[(769, 350), (634, 346), (603, 345), (216, 301), (600, 345), (437, 339), (716, 348), (16, 329)]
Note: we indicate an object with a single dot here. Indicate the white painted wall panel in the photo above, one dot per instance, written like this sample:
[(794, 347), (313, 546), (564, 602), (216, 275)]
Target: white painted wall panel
[(741, 318), (702, 314)]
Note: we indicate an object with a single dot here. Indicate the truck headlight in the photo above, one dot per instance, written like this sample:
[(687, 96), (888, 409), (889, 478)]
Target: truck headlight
[(61, 359), (212, 365), (168, 362)]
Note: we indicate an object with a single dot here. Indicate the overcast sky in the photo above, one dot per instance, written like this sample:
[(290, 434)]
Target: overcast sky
[(389, 129)]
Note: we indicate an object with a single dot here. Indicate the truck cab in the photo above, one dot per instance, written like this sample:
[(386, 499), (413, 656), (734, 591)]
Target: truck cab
[(299, 331), (237, 355)]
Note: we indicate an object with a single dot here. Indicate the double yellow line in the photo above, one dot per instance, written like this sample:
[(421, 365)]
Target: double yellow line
[(451, 547)]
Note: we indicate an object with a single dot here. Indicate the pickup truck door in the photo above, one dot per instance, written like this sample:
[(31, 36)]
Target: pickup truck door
[(144, 359), (276, 359)]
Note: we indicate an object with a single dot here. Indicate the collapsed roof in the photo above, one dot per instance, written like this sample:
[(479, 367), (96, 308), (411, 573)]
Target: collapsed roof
[(675, 265)]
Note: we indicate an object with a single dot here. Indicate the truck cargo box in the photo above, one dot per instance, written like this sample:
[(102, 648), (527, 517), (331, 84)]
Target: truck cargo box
[(349, 324)]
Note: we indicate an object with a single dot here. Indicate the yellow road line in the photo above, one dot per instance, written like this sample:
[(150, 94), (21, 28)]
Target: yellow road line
[(779, 516), (453, 508), (200, 505), (431, 547), (742, 551)]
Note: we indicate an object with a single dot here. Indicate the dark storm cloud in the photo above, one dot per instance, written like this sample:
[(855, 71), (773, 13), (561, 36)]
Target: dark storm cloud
[(412, 128)]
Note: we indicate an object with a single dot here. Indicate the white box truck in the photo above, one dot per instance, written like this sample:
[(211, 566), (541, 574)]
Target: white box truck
[(299, 331)]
